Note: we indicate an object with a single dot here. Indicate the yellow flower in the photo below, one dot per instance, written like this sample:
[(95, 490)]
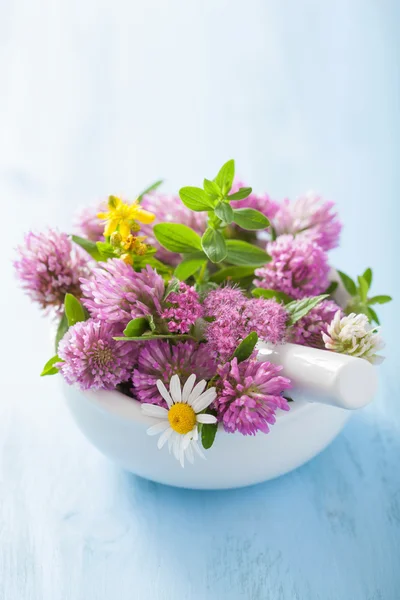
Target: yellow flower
[(122, 217)]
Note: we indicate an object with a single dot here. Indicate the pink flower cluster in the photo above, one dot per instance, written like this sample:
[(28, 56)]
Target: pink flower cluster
[(298, 267), (49, 266), (158, 359), (308, 330), (183, 310), (310, 218), (116, 293), (249, 393), (236, 316)]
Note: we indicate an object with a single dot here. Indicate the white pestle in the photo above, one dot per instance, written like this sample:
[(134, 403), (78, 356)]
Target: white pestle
[(323, 376)]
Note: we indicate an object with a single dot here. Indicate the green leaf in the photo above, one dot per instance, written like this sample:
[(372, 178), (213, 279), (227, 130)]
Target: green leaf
[(224, 211), (88, 245), (372, 315), (74, 310), (106, 250), (149, 189), (142, 261), (348, 283), (49, 368), (232, 274), (241, 193), (208, 433), (214, 245), (147, 338), (243, 253), (188, 267), (136, 327), (379, 299), (250, 219), (246, 347), (61, 329), (280, 296), (331, 288), (368, 276), (173, 286), (195, 198), (363, 287), (225, 176), (177, 238), (299, 308), (212, 188)]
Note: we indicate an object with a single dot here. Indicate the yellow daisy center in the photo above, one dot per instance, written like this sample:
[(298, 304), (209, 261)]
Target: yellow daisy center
[(182, 418)]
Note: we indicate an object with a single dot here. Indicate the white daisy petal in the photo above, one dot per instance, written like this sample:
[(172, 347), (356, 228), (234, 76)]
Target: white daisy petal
[(187, 438), (152, 410), (175, 388), (177, 446), (158, 428), (196, 434), (188, 387), (203, 418), (164, 392), (164, 437), (182, 458), (196, 447), (197, 390), (189, 454), (171, 441), (204, 400)]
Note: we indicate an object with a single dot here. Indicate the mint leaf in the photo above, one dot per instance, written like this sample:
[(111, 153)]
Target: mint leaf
[(379, 299), (246, 347), (363, 287), (149, 189), (188, 267), (49, 368), (232, 274), (264, 293), (147, 338), (61, 329), (74, 310), (88, 245), (136, 327), (105, 249), (241, 193), (348, 283), (250, 219), (372, 315), (225, 176), (208, 433), (195, 198), (243, 253), (177, 238), (368, 276), (224, 211), (213, 244), (211, 188), (299, 308)]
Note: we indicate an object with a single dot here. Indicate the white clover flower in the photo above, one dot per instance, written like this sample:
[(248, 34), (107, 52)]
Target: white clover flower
[(354, 335), (178, 423)]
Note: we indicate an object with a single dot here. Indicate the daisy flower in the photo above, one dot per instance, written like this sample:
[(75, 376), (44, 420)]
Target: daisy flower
[(179, 423)]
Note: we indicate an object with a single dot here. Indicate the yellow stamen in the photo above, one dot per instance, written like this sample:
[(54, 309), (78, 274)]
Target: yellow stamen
[(182, 418)]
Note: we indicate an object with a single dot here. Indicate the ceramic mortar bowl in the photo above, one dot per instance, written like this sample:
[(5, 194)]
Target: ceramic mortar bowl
[(115, 425), (326, 388)]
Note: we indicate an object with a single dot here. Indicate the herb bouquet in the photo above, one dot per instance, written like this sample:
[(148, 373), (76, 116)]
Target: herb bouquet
[(166, 298)]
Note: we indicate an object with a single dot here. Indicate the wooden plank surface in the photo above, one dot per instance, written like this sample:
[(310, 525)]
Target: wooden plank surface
[(102, 98)]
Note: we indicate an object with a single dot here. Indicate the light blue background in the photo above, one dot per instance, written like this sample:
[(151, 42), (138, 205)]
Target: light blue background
[(104, 97)]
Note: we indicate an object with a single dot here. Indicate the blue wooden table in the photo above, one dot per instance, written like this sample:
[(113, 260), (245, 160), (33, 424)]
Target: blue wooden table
[(102, 98)]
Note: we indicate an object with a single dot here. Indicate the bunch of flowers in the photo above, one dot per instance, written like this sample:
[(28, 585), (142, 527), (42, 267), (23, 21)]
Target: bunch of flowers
[(165, 299)]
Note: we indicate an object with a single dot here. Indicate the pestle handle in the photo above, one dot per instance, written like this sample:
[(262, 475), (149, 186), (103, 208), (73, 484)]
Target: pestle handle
[(323, 376)]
